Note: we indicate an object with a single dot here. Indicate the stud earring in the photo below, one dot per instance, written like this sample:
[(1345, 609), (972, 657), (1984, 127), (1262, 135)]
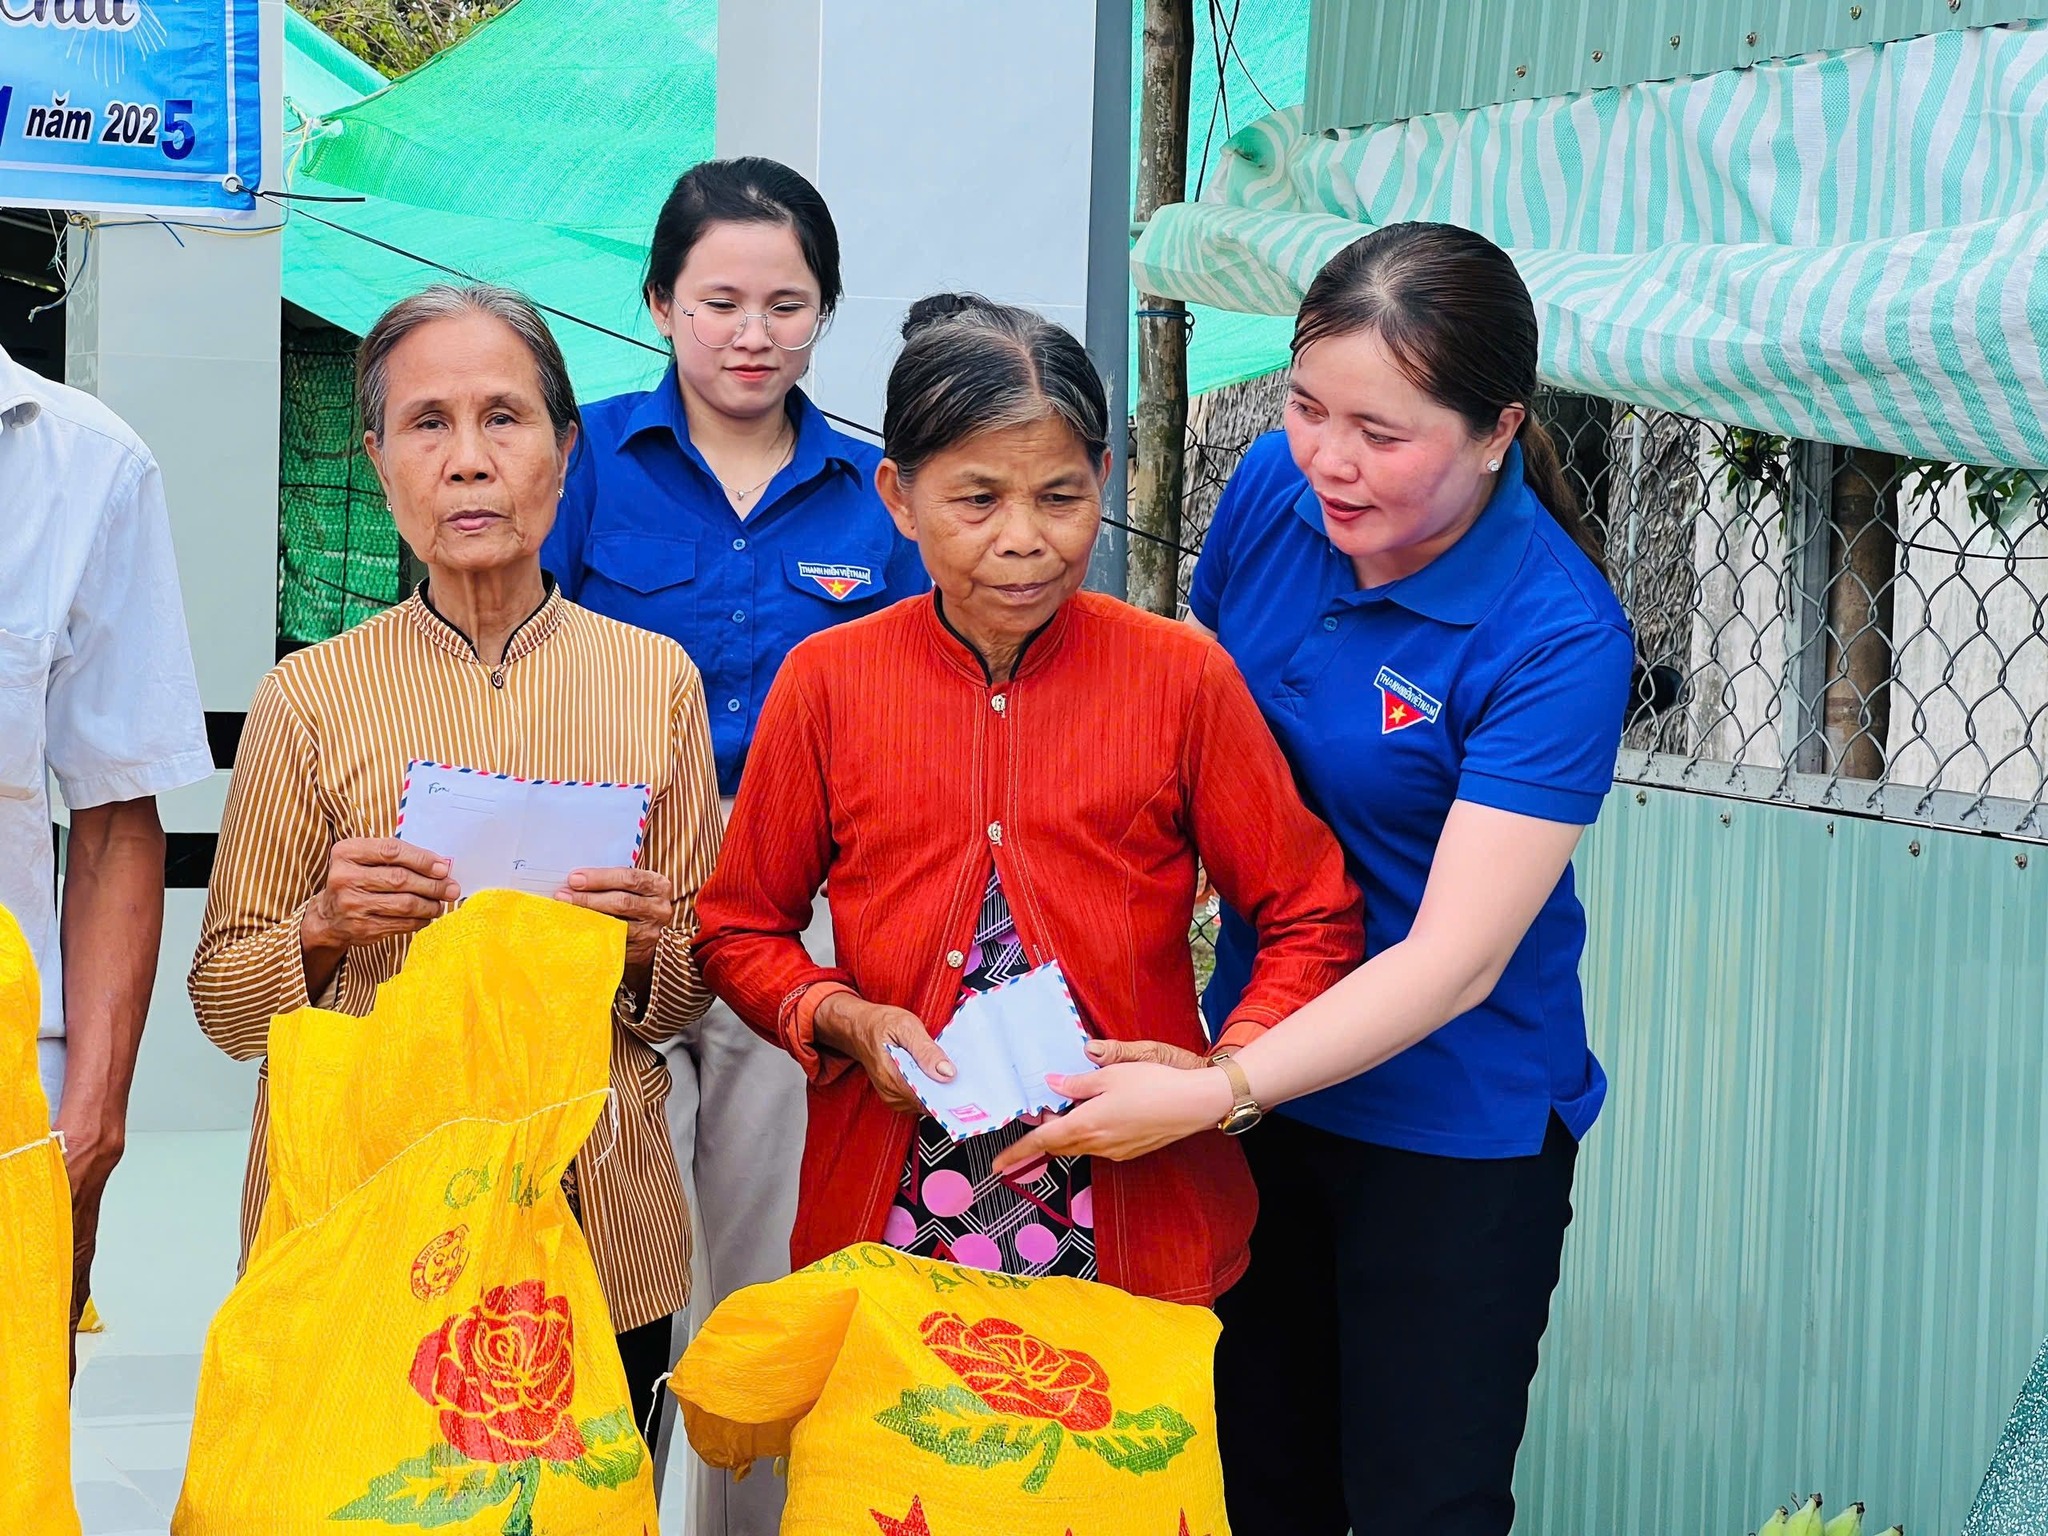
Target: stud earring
[(1493, 466)]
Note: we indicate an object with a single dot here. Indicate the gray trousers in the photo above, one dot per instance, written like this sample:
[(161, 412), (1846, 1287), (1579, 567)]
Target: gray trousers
[(737, 1114)]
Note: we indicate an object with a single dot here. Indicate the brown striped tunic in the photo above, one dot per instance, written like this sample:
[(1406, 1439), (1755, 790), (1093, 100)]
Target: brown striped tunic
[(323, 758)]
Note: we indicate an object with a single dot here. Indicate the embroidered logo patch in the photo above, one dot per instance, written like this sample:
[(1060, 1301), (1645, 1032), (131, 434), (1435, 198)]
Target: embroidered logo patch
[(1402, 704), (839, 581)]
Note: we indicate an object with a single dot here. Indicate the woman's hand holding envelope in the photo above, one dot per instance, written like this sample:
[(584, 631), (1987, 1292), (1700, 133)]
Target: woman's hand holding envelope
[(644, 899), (864, 1031)]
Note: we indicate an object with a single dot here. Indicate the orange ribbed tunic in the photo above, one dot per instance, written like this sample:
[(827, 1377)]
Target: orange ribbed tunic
[(889, 769)]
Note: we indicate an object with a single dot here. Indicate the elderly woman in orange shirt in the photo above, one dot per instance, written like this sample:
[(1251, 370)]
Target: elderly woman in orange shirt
[(1008, 772)]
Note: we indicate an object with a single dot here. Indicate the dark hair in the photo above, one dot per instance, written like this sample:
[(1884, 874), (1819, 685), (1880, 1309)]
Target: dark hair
[(750, 190), (449, 301), (1457, 317), (971, 365)]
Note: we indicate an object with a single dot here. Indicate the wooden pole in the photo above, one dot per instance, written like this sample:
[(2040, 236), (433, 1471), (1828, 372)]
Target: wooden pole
[(1856, 710), (1158, 467)]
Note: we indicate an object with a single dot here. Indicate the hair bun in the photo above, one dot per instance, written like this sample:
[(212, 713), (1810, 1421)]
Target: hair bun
[(934, 307)]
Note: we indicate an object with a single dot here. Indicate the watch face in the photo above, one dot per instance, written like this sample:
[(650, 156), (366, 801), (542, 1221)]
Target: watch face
[(1241, 1119)]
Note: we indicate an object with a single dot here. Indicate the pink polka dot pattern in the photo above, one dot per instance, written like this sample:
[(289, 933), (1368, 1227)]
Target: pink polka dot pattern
[(1036, 1244), (900, 1230), (977, 1252), (1083, 1210), (947, 1193)]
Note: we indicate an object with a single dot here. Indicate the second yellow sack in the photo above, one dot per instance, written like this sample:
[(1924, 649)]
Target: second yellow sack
[(917, 1398)]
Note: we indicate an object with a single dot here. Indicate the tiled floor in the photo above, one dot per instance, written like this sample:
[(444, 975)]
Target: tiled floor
[(166, 1260)]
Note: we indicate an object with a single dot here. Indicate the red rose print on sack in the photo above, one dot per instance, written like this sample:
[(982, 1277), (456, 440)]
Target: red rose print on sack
[(503, 1375), (1015, 1373)]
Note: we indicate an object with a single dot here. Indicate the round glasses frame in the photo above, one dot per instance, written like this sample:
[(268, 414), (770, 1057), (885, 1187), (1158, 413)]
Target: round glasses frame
[(721, 327)]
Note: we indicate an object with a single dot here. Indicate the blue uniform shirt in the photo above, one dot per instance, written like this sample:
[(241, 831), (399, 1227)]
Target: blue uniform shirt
[(647, 536), (1497, 674)]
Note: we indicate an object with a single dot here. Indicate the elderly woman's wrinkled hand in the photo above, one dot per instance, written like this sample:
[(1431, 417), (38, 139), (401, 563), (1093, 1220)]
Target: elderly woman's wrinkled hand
[(1124, 1111), (851, 1026), (1108, 1053), (644, 899), (375, 888)]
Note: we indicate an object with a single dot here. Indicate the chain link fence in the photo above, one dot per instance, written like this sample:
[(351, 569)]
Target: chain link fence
[(1815, 625), (1844, 629)]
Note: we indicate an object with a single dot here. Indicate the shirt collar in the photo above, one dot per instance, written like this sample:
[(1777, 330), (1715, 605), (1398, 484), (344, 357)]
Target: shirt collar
[(963, 658), (1461, 584), (532, 633), (20, 394), (818, 445)]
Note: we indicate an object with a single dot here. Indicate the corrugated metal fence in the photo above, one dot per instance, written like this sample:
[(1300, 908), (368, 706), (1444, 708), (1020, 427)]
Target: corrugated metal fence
[(1812, 1243)]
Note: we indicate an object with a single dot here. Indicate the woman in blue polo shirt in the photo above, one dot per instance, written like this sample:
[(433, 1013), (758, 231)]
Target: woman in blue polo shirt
[(1400, 576), (722, 509)]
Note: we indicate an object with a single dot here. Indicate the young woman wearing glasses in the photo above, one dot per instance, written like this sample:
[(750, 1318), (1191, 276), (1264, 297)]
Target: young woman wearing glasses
[(722, 509)]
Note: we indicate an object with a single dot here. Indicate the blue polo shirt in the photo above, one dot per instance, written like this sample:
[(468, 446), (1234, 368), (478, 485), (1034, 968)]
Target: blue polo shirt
[(646, 535), (1498, 674)]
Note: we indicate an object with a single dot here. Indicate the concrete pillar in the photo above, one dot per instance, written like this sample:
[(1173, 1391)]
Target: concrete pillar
[(961, 145), (177, 330)]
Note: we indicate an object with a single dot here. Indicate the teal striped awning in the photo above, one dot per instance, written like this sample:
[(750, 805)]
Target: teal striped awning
[(1850, 247)]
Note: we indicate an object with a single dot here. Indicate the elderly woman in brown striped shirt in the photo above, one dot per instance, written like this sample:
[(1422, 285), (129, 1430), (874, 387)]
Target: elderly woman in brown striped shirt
[(470, 420)]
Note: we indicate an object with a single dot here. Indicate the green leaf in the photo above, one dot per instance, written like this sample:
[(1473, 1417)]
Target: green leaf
[(1141, 1442), (443, 1487), (613, 1452), (520, 1521), (954, 1424)]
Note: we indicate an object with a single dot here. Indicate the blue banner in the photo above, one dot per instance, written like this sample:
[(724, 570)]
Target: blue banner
[(152, 105)]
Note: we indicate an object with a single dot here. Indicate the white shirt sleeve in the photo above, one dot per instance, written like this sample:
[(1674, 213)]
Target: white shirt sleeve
[(124, 714)]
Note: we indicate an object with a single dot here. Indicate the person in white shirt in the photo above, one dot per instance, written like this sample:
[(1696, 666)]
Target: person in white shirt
[(97, 691)]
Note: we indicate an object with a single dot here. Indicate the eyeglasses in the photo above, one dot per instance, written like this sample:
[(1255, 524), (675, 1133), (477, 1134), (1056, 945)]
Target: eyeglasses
[(791, 325)]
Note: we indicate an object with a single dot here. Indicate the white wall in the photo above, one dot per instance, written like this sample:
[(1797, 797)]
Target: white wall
[(177, 331), (961, 144)]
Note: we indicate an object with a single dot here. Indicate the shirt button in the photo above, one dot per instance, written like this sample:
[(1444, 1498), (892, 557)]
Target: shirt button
[(1329, 623), (739, 616), (999, 702), (732, 706), (995, 831), (739, 543), (955, 959)]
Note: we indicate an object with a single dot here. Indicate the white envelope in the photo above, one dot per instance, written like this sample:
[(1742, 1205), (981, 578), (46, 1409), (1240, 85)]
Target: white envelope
[(520, 834), (1003, 1044)]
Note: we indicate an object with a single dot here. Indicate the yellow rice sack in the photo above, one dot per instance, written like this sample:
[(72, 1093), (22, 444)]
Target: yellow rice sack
[(35, 1269), (420, 1340), (926, 1399)]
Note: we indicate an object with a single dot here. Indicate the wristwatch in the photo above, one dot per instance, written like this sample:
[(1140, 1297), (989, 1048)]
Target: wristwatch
[(1245, 1113)]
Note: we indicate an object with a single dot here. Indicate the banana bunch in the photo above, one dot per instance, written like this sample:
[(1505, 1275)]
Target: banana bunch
[(1806, 1521)]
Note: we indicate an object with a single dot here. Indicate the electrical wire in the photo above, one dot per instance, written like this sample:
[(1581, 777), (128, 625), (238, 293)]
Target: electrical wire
[(470, 277), (635, 341)]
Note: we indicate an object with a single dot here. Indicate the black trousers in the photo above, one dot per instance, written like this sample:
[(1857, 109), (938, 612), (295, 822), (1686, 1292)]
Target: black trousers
[(1374, 1370), (644, 1353)]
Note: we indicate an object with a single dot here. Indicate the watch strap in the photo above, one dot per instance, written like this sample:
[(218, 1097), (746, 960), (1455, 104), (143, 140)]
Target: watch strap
[(1240, 1085)]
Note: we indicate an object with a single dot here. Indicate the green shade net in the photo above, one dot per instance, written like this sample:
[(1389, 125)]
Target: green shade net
[(538, 150), (338, 559)]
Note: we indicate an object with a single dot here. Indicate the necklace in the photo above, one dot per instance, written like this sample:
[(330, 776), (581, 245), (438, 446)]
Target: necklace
[(738, 496)]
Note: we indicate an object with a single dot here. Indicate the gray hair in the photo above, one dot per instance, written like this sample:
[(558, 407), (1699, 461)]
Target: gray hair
[(448, 301), (970, 365)]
